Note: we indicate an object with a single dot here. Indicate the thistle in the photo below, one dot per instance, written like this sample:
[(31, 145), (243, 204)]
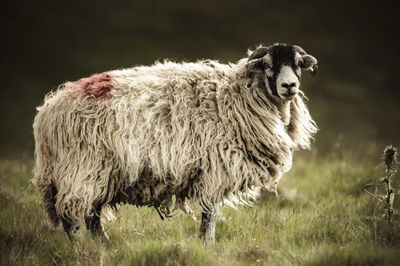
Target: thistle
[(389, 157), (389, 162)]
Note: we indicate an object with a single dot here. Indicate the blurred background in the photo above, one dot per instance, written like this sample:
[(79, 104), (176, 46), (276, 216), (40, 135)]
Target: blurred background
[(354, 97)]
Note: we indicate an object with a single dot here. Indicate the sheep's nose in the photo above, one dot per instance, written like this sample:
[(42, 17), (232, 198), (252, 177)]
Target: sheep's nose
[(288, 85)]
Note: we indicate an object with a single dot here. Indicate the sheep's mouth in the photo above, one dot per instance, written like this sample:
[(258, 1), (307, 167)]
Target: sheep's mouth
[(288, 96)]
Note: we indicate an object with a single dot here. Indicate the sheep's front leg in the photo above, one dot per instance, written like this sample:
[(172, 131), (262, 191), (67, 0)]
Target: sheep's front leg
[(93, 223), (207, 227)]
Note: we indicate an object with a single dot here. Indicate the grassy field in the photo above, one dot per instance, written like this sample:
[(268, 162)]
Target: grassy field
[(323, 217)]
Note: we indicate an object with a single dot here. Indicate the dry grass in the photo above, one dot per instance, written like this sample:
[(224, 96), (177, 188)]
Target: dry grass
[(323, 217)]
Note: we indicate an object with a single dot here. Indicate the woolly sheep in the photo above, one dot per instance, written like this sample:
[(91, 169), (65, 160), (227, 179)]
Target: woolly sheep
[(157, 135)]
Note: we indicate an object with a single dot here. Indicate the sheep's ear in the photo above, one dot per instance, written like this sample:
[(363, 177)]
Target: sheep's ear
[(258, 53), (309, 62), (255, 64), (256, 59)]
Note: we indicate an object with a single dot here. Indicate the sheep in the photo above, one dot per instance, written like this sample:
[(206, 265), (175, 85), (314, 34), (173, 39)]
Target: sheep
[(158, 135)]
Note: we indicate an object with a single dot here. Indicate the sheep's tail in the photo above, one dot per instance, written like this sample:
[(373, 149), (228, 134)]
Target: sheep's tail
[(43, 176)]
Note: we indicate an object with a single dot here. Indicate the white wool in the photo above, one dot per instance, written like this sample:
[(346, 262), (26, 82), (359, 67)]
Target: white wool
[(193, 129)]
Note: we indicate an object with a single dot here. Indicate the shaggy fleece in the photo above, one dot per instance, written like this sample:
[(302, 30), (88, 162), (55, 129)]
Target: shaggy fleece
[(204, 131)]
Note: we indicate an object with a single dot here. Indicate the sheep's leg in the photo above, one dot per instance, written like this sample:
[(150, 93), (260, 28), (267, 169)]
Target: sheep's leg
[(48, 192), (207, 227), (93, 223)]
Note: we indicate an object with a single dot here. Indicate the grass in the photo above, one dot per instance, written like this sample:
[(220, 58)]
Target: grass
[(323, 217)]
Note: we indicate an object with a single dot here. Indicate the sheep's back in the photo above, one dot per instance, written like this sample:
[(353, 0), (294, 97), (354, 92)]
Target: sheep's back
[(166, 115)]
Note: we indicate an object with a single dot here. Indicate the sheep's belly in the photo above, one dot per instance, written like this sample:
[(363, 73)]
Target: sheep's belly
[(154, 193)]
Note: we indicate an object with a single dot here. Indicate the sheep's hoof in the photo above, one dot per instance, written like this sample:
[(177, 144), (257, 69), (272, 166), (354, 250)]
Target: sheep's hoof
[(208, 240)]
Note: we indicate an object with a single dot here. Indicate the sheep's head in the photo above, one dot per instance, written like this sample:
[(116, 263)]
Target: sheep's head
[(280, 66)]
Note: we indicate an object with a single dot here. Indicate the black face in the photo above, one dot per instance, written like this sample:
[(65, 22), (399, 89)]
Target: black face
[(281, 66), (281, 55)]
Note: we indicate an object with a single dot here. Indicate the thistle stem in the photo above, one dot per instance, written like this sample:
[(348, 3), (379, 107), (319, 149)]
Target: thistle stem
[(389, 191)]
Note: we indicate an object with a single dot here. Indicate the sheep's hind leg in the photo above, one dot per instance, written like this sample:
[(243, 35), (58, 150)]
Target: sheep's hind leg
[(48, 192), (93, 223), (207, 227)]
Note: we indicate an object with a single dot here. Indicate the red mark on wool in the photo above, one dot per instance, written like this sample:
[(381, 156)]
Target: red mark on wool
[(96, 86), (45, 151)]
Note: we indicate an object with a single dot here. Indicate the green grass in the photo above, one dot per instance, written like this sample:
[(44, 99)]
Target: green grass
[(323, 217)]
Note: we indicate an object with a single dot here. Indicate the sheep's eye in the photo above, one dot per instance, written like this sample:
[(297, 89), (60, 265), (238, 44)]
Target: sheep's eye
[(300, 63), (268, 72), (266, 65)]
